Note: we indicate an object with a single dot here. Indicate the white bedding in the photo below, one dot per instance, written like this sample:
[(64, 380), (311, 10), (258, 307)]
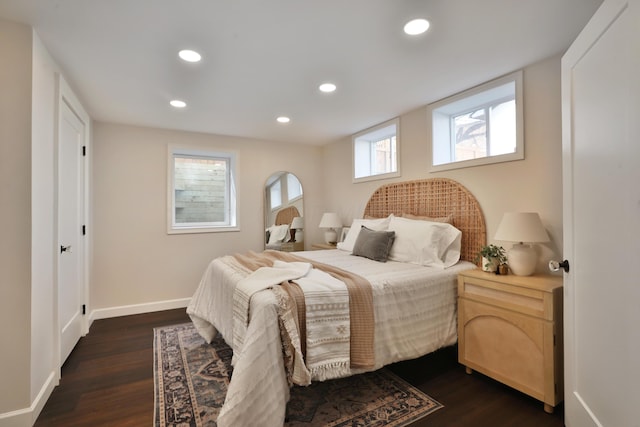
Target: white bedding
[(414, 310)]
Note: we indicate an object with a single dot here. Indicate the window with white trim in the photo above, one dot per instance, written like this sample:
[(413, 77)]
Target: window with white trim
[(283, 188), (294, 188), (201, 191), (275, 193), (479, 126), (375, 152)]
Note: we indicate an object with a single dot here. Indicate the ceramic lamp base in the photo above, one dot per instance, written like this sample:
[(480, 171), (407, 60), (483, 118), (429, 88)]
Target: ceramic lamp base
[(330, 236), (522, 259)]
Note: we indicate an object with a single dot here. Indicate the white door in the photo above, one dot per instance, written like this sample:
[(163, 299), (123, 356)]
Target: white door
[(71, 139), (601, 184)]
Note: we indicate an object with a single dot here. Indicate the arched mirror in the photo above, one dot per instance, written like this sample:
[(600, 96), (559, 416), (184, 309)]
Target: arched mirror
[(284, 213)]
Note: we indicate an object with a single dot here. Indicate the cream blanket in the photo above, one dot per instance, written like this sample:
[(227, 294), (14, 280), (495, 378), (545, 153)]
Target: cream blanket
[(326, 308), (261, 279)]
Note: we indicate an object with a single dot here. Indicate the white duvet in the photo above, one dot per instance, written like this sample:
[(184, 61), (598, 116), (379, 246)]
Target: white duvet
[(414, 310)]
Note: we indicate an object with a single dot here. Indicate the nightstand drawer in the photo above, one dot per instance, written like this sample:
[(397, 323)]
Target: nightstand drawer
[(292, 246), (535, 299)]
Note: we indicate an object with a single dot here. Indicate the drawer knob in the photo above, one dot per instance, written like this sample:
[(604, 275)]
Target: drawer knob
[(556, 266)]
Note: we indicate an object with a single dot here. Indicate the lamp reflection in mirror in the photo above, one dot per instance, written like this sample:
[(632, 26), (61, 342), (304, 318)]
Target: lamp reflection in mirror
[(296, 229), (330, 221), (523, 228)]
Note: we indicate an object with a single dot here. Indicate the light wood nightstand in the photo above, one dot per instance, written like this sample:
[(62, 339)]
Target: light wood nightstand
[(323, 246), (292, 246), (510, 329)]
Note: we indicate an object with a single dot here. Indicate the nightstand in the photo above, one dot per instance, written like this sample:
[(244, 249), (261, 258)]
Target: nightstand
[(510, 329), (292, 246), (323, 246)]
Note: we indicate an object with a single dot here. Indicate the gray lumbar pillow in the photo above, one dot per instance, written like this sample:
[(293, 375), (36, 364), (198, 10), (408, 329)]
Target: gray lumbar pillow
[(374, 245)]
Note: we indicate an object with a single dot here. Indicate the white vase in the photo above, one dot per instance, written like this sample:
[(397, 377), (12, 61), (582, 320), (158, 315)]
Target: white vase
[(490, 264)]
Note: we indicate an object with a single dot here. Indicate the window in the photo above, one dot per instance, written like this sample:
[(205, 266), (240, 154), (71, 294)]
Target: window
[(283, 188), (479, 126), (375, 152), (275, 193), (294, 188), (202, 193)]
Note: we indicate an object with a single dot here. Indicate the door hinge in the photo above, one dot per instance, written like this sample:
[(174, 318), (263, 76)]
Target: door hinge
[(84, 309), (84, 230), (84, 150)]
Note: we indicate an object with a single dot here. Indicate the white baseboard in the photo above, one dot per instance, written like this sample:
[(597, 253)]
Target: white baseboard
[(127, 310), (27, 417)]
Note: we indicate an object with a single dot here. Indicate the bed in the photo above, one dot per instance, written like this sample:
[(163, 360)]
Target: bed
[(279, 232), (412, 310)]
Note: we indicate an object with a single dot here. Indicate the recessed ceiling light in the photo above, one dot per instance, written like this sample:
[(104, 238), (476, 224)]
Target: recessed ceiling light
[(327, 87), (178, 104), (190, 55), (416, 26), (283, 119)]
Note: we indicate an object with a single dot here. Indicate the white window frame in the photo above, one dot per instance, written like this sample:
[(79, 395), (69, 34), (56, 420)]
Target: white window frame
[(364, 140), (293, 181), (231, 195), (441, 113), (275, 204)]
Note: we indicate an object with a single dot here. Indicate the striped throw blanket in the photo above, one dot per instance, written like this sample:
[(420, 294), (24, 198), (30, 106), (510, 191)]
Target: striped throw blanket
[(326, 313)]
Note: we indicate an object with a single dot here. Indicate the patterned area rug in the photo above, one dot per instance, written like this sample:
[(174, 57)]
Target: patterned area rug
[(191, 379)]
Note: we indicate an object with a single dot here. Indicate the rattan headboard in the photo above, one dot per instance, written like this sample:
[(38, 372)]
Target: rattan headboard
[(436, 197), (286, 215)]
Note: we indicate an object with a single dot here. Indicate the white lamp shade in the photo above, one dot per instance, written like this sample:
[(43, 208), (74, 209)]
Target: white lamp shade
[(297, 223), (521, 227), (330, 220)]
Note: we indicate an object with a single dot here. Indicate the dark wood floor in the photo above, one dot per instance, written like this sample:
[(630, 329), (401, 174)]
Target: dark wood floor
[(108, 381)]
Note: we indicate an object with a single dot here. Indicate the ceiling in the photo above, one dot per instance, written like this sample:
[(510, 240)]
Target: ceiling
[(266, 58)]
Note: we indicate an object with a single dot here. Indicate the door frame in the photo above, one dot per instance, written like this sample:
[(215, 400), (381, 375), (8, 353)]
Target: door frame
[(577, 411), (65, 95)]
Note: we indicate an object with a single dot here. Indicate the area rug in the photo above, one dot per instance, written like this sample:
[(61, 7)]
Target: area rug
[(191, 379)]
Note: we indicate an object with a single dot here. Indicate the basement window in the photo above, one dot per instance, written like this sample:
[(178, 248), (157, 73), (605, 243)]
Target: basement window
[(201, 191), (375, 152), (479, 126)]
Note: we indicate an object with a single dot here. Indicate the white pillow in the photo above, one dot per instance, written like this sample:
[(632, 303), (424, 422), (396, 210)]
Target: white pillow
[(378, 224), (279, 233), (432, 244)]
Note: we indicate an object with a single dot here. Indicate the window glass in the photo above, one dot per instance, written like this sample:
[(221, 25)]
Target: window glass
[(201, 191), (275, 193), (479, 126), (375, 152), (294, 187)]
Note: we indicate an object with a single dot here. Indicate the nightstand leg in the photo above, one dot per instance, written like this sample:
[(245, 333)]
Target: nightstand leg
[(548, 408), (468, 370)]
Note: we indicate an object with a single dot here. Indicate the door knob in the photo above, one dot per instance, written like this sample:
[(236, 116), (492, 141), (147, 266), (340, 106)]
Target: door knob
[(65, 249), (556, 266)]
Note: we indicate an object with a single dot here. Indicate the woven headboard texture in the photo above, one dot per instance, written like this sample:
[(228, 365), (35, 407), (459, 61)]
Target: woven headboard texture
[(286, 215), (435, 197)]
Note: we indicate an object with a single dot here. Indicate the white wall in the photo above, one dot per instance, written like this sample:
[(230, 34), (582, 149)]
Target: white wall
[(43, 239), (532, 184), (135, 262), (15, 215), (28, 244)]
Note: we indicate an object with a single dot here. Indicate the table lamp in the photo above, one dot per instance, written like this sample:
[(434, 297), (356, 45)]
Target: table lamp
[(523, 228), (330, 221), (297, 224)]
